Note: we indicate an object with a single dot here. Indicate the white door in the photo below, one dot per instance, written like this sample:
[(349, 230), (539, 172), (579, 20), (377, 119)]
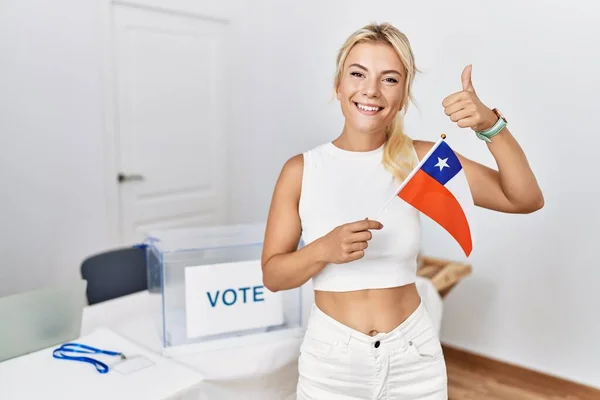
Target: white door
[(170, 90)]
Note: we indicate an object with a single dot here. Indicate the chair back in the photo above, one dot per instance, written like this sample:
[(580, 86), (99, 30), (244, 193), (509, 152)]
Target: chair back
[(115, 273)]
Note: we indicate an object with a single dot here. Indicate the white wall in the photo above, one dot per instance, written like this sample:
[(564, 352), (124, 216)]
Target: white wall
[(53, 201), (530, 305), (533, 293)]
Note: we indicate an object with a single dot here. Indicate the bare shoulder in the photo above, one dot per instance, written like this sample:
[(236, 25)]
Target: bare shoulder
[(422, 147), (294, 165), (293, 168), (290, 178)]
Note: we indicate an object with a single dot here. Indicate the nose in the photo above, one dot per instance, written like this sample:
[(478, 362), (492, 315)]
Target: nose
[(371, 88)]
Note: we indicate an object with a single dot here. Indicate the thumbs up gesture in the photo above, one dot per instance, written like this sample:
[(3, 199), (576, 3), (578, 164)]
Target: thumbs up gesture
[(466, 109)]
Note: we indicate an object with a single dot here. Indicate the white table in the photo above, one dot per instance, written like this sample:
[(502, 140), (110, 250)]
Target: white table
[(274, 377), (40, 376)]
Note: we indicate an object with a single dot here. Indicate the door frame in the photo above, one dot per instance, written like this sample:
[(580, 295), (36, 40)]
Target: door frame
[(210, 10)]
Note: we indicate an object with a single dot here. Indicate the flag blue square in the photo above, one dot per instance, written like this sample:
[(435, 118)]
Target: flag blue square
[(443, 164)]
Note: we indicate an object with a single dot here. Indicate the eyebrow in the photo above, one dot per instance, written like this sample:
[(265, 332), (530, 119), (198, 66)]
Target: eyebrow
[(387, 71)]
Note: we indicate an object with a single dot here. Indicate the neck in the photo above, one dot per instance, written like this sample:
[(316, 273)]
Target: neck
[(353, 140)]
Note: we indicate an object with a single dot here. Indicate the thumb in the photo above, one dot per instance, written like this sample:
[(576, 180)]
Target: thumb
[(466, 79)]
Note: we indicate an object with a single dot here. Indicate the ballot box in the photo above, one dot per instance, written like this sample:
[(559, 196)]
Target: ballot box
[(208, 291)]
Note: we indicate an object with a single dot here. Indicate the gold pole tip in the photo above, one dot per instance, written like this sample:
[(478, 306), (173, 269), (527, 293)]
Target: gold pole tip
[(443, 136)]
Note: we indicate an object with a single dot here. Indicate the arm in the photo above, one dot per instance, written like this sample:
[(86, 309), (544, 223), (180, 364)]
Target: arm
[(285, 267), (512, 188)]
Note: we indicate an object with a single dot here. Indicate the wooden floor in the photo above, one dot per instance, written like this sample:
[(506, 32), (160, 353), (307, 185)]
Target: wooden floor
[(471, 377)]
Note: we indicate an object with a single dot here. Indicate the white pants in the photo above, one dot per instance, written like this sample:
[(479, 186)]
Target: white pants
[(338, 362)]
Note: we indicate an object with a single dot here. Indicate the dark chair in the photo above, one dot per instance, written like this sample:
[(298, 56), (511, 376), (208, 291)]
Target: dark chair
[(115, 273)]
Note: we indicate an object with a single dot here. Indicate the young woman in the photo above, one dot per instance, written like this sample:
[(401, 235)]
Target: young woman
[(369, 335)]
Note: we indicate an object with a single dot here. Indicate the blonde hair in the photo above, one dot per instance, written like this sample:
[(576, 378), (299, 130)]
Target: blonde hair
[(398, 156)]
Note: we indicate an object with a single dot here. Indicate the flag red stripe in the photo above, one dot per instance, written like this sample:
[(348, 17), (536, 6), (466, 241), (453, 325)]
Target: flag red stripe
[(434, 200)]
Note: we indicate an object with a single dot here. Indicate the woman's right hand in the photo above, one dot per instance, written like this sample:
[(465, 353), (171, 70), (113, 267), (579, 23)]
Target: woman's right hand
[(347, 242)]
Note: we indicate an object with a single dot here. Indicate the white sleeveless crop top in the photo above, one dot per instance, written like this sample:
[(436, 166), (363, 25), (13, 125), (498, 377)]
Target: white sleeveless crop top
[(341, 186)]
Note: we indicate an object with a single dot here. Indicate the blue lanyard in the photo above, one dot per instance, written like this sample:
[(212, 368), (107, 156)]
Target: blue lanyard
[(82, 348)]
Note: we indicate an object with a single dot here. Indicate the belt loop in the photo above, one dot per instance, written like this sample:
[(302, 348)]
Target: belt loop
[(347, 339), (399, 336)]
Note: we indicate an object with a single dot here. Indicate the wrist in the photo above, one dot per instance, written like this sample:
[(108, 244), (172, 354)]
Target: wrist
[(489, 121), (498, 126), (319, 250)]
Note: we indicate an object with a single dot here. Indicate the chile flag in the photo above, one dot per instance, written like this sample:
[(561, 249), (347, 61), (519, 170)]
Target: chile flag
[(438, 188)]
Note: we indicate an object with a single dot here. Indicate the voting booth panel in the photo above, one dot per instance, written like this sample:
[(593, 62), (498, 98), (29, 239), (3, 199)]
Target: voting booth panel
[(209, 290)]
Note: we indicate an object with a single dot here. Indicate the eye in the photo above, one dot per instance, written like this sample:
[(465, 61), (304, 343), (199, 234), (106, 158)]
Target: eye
[(356, 74), (391, 80)]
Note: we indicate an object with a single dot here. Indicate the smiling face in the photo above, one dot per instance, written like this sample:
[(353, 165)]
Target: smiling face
[(371, 89)]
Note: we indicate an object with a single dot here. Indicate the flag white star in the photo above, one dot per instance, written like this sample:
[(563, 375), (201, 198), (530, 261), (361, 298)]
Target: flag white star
[(442, 163)]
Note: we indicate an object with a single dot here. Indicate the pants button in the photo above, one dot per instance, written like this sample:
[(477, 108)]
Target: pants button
[(377, 344)]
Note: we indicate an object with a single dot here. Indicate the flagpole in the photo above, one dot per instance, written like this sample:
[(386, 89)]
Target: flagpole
[(412, 173)]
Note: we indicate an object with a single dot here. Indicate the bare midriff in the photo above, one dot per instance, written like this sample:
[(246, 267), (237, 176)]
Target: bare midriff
[(370, 311)]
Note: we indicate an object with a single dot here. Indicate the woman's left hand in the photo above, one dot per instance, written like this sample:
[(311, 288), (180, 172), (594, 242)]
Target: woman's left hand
[(466, 109)]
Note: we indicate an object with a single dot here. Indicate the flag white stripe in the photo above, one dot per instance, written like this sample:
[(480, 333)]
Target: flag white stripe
[(459, 187)]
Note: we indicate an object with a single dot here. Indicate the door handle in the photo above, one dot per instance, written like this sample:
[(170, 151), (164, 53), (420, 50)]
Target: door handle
[(129, 178)]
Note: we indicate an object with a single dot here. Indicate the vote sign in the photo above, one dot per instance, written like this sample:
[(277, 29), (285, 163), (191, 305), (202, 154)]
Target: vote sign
[(229, 297)]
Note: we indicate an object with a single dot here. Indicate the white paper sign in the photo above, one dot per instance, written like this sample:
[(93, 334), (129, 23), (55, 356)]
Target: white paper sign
[(229, 297)]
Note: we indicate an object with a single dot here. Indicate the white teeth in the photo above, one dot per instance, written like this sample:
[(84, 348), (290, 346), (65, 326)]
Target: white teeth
[(367, 108)]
